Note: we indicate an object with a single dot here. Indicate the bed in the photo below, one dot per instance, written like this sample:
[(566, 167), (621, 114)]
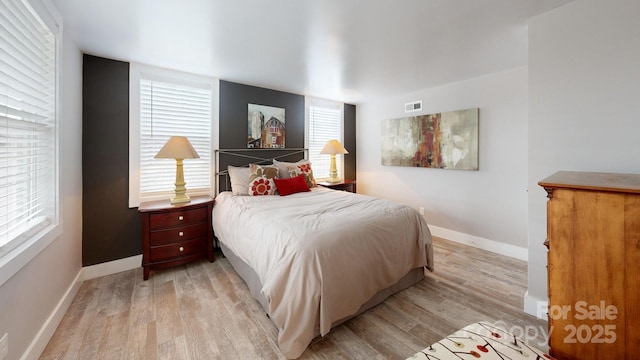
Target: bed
[(316, 258)]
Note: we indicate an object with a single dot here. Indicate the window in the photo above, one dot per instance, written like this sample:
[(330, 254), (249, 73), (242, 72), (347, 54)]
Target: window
[(164, 104), (325, 120), (28, 132)]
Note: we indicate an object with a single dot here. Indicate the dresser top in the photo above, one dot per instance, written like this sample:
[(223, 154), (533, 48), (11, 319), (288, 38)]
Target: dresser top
[(612, 182)]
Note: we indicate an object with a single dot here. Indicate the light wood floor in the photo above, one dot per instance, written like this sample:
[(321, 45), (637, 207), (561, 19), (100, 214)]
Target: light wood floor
[(205, 311)]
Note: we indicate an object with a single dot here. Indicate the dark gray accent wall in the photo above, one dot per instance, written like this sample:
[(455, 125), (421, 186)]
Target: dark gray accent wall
[(110, 229), (234, 101), (350, 141)]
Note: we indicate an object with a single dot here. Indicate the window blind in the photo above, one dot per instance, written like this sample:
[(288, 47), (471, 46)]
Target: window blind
[(166, 110), (325, 123), (27, 124)]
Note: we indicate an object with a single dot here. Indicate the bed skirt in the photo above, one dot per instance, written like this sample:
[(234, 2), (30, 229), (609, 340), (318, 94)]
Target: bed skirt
[(252, 280)]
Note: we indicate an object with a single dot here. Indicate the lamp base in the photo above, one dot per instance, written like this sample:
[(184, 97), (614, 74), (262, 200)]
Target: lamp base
[(180, 199), (181, 192), (333, 171)]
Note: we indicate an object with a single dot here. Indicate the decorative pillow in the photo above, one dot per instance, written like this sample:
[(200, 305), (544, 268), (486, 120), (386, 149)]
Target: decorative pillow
[(292, 185), (239, 177), (283, 167), (305, 169), (261, 179), (283, 172)]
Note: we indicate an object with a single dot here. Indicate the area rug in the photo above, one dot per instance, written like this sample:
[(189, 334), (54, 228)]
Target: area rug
[(481, 340)]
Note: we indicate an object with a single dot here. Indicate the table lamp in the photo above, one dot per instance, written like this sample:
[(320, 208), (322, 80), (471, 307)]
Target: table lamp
[(333, 147), (179, 148)]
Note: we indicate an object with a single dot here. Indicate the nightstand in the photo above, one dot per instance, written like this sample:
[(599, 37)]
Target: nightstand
[(177, 234), (343, 185)]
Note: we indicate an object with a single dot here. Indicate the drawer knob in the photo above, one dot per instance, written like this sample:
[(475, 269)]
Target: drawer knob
[(180, 217), (181, 249), (180, 233)]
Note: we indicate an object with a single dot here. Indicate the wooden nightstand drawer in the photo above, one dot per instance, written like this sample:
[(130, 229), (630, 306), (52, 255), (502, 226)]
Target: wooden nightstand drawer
[(177, 234), (166, 252), (177, 218)]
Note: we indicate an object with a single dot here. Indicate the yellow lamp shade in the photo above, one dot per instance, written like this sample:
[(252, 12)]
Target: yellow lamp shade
[(333, 147), (177, 147)]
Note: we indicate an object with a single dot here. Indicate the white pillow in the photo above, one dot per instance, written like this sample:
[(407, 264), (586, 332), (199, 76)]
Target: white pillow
[(239, 177)]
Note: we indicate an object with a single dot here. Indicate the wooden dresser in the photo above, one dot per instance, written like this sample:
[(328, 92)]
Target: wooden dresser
[(175, 234), (593, 237)]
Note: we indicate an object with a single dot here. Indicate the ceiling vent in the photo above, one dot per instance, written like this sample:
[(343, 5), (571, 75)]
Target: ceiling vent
[(413, 106)]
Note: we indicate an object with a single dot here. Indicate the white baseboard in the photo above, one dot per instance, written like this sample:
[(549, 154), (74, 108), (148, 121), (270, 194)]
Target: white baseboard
[(40, 341), (536, 307), (481, 243), (47, 330), (532, 306), (111, 267)]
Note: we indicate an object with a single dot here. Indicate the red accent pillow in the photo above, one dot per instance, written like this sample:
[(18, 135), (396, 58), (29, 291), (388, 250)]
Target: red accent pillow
[(292, 185)]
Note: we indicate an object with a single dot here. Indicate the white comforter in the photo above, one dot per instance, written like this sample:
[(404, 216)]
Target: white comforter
[(320, 255)]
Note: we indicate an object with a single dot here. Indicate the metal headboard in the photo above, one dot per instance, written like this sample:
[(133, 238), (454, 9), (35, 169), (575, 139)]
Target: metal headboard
[(244, 157)]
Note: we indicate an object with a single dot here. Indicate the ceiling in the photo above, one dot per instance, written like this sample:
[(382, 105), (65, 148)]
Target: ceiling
[(347, 50)]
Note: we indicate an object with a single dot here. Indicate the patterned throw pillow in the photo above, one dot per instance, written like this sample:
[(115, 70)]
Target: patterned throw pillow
[(261, 179), (283, 171), (303, 168)]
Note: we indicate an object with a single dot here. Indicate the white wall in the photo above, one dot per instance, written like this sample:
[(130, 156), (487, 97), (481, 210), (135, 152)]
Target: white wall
[(584, 101), (489, 206), (29, 299)]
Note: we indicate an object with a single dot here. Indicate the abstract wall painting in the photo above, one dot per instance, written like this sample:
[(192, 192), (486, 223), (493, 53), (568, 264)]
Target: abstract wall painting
[(266, 127), (447, 140)]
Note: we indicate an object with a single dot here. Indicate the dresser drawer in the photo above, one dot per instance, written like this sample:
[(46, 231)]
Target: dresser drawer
[(166, 252), (177, 218), (177, 234)]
